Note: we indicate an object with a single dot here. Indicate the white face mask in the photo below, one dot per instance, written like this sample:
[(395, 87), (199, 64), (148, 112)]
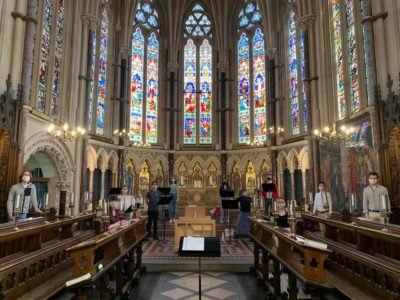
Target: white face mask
[(244, 194), (124, 191), (155, 187), (26, 178), (321, 187), (373, 181)]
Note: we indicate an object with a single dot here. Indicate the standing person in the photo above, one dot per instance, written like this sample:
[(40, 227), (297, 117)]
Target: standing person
[(174, 200), (372, 199), (269, 195), (243, 223), (322, 204), (27, 195), (126, 202), (224, 187), (152, 199), (282, 219)]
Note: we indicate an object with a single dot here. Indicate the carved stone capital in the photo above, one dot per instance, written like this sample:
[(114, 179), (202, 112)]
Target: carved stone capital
[(271, 52), (91, 21), (306, 21), (173, 66)]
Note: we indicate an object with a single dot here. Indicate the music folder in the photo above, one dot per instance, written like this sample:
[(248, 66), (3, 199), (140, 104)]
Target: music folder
[(269, 187), (211, 246)]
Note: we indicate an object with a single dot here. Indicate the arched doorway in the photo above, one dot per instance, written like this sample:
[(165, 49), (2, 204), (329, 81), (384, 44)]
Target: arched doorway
[(298, 181), (45, 177)]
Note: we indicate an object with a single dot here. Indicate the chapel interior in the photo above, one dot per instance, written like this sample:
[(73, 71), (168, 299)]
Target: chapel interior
[(191, 107)]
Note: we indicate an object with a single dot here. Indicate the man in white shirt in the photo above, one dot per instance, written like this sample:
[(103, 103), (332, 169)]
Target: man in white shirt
[(126, 201), (322, 204), (372, 199)]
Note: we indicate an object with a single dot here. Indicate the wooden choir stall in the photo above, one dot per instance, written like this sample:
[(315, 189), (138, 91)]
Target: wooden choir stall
[(33, 260), (116, 253)]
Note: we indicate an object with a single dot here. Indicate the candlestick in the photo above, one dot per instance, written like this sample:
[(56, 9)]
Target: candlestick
[(121, 204), (383, 202), (292, 208), (47, 200), (310, 197), (275, 206), (105, 207), (17, 202), (353, 200), (86, 196), (72, 198)]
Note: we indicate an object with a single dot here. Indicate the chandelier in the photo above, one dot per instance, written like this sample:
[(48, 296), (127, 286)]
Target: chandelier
[(255, 144), (65, 133), (279, 131), (141, 144), (330, 134), (121, 133)]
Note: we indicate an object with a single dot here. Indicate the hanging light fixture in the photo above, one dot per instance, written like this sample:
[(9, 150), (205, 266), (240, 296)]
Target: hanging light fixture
[(330, 134), (65, 133)]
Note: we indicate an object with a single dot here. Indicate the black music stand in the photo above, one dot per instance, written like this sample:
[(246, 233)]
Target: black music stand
[(165, 199), (230, 204), (212, 248)]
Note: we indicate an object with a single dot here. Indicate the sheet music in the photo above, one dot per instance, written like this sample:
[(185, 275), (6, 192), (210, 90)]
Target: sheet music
[(191, 243)]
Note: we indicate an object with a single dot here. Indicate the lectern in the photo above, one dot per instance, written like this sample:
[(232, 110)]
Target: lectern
[(212, 248)]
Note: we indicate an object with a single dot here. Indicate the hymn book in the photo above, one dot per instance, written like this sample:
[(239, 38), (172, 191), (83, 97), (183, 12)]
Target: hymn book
[(191, 243)]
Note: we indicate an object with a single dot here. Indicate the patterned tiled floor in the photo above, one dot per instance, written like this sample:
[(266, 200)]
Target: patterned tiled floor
[(185, 286)]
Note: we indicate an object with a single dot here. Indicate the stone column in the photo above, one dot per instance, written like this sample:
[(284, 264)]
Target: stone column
[(30, 30), (172, 115), (18, 38), (293, 196), (103, 177), (369, 51)]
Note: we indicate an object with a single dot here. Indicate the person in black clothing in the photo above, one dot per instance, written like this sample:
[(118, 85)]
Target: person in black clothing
[(152, 199), (224, 187), (282, 219), (243, 224)]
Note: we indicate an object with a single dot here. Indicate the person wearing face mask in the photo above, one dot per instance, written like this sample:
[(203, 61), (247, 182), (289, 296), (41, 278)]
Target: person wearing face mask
[(372, 199), (125, 202), (243, 224), (322, 204), (269, 192), (224, 187), (27, 196), (172, 205), (152, 199)]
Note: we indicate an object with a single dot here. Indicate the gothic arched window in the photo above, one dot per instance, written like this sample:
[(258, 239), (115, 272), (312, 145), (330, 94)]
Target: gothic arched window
[(346, 56), (99, 72), (50, 57), (198, 71), (298, 94), (144, 75), (251, 76)]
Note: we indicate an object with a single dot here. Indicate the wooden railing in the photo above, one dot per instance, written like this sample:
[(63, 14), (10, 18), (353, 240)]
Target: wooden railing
[(365, 256), (286, 252), (36, 253), (106, 253)]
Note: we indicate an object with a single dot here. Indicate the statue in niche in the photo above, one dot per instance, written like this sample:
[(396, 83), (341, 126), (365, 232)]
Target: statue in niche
[(250, 177), (129, 179), (212, 177), (182, 175), (236, 179), (197, 176), (144, 178), (159, 176)]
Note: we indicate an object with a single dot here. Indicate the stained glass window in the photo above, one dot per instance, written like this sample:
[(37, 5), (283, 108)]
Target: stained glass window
[(57, 58), (44, 54), (197, 66), (251, 76), (353, 59), (304, 86), (337, 37), (136, 113), (143, 120), (152, 89), (244, 88), (91, 76), (293, 80), (51, 47), (260, 133), (206, 93), (102, 76), (190, 93)]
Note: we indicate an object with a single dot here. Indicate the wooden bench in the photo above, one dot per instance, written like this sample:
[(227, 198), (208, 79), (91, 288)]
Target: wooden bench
[(308, 267), (107, 253), (40, 257)]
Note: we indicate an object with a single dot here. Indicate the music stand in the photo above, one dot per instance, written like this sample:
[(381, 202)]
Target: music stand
[(165, 199), (212, 248), (268, 188), (227, 199)]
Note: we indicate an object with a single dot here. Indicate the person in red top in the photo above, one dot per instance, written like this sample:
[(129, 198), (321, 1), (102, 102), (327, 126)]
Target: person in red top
[(268, 196)]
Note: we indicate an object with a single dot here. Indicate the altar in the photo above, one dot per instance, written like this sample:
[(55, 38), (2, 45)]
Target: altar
[(208, 197)]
